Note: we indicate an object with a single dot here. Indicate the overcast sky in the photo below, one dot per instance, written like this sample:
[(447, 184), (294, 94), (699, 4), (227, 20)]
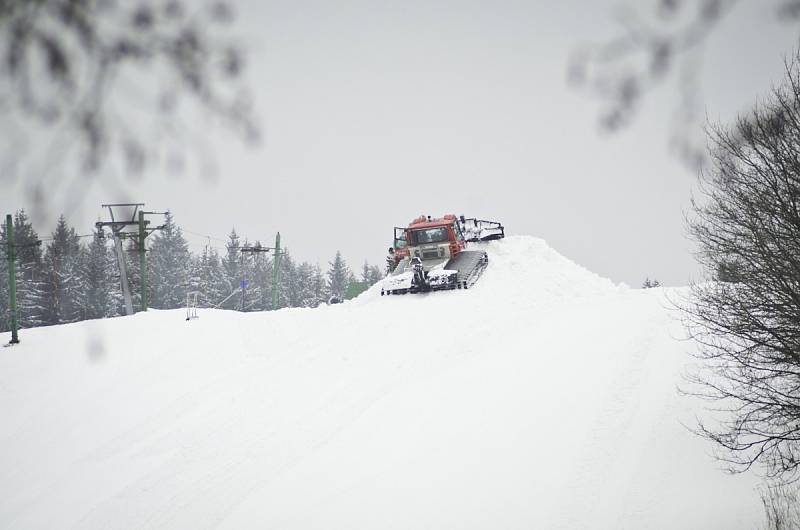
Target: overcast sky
[(376, 112)]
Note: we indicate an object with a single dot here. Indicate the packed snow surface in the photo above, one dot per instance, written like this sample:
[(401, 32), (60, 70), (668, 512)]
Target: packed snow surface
[(543, 397)]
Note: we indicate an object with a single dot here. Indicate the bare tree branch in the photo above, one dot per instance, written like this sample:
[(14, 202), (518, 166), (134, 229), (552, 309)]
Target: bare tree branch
[(747, 320), (110, 82)]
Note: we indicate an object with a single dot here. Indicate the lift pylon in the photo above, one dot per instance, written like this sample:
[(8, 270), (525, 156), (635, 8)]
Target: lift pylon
[(119, 225)]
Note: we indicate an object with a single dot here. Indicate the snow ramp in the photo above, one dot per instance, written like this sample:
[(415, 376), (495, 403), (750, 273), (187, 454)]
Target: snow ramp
[(543, 397)]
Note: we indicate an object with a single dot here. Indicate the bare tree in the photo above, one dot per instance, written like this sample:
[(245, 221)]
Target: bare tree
[(747, 321)]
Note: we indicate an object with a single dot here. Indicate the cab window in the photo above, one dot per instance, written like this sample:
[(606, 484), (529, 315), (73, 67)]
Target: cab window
[(430, 235), (399, 237)]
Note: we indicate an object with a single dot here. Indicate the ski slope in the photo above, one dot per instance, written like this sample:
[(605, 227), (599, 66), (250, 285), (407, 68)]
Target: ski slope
[(543, 397)]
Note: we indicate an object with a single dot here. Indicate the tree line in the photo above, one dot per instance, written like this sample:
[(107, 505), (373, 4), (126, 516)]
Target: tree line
[(63, 279)]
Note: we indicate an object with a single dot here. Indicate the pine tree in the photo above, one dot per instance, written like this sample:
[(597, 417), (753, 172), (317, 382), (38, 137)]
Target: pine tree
[(287, 282), (100, 293), (371, 274), (261, 282), (208, 279), (216, 283), (31, 300), (319, 287), (375, 275), (649, 284), (195, 282), (339, 277), (231, 269), (62, 276), (365, 272), (250, 295), (304, 294), (5, 318), (168, 265), (310, 285), (31, 303)]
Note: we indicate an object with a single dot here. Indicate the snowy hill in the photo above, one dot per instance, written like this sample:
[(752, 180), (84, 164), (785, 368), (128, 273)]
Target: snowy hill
[(544, 397)]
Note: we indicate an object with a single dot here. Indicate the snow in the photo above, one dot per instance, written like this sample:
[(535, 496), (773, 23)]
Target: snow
[(543, 397)]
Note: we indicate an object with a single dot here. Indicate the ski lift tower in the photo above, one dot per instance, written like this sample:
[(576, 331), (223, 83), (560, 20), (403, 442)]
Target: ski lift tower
[(277, 253), (128, 215)]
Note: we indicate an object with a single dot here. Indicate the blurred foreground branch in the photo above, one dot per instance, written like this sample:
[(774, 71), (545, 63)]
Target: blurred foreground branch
[(650, 48), (99, 82)]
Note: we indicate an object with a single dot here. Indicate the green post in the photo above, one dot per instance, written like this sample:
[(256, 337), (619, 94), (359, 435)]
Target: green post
[(12, 278), (142, 261), (276, 271)]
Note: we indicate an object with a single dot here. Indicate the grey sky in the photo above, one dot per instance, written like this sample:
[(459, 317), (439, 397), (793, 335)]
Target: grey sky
[(376, 112)]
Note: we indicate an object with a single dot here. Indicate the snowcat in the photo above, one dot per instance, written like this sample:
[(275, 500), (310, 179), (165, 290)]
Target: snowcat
[(431, 255)]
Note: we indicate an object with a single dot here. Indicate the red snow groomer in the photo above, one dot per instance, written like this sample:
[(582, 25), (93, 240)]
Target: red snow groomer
[(430, 254)]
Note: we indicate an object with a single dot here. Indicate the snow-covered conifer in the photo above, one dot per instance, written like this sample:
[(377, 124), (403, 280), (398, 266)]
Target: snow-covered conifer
[(287, 282), (231, 268), (5, 323), (339, 276), (31, 303), (365, 272), (304, 293), (62, 276), (99, 267), (260, 287), (168, 261), (208, 278), (371, 274)]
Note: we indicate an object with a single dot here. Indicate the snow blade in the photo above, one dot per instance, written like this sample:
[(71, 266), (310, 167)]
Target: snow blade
[(480, 229)]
